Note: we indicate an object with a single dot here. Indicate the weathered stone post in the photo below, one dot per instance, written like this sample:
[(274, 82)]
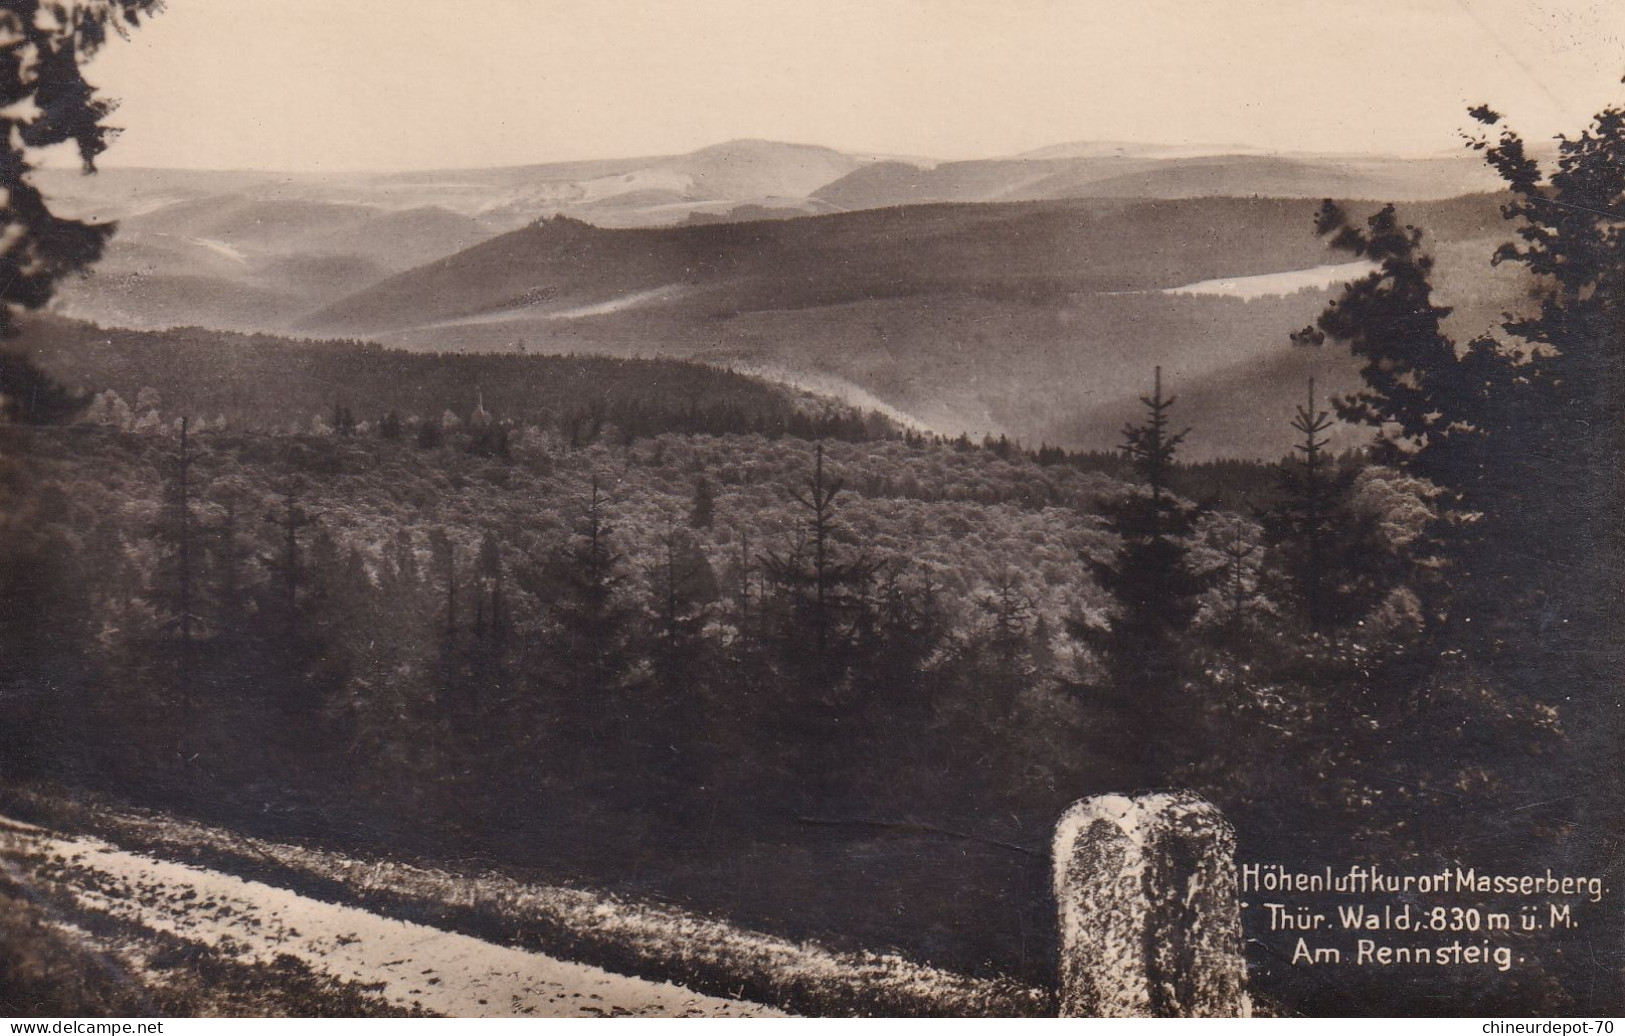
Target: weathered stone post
[(1150, 924)]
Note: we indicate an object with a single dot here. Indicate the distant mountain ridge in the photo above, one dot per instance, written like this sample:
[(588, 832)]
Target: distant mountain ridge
[(1021, 295), (1132, 174), (665, 189)]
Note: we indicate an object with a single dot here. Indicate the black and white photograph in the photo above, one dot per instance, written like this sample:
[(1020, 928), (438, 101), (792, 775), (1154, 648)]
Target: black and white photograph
[(835, 508)]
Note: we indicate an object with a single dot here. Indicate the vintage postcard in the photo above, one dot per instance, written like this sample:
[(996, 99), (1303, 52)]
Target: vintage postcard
[(950, 508)]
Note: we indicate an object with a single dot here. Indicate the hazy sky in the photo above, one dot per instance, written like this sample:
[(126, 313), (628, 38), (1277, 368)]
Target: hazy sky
[(346, 84)]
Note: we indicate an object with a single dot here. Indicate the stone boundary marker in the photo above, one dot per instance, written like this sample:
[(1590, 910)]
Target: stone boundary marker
[(1150, 923)]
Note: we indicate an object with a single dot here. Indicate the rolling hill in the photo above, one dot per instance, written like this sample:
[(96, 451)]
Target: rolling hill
[(1039, 320), (1025, 296), (251, 251), (1129, 172), (1036, 251), (255, 263)]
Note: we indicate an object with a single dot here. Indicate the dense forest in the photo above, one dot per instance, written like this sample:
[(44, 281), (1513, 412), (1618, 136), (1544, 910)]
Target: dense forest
[(632, 622), (266, 383)]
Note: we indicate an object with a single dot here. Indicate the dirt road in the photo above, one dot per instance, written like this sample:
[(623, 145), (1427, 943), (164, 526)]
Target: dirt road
[(92, 888)]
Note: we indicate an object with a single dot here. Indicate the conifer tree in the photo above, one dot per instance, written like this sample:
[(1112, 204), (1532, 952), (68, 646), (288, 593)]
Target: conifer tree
[(1152, 583), (180, 594), (824, 588), (45, 101), (909, 627), (684, 586), (1522, 435), (1412, 386), (591, 620), (1328, 559), (819, 500), (1428, 400), (1548, 479), (1551, 547), (1302, 520), (179, 590), (1238, 556), (288, 567), (494, 625), (1008, 610)]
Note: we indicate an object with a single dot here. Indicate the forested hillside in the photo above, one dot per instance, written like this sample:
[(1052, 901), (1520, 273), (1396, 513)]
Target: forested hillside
[(791, 655), (266, 383), (1036, 320)]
